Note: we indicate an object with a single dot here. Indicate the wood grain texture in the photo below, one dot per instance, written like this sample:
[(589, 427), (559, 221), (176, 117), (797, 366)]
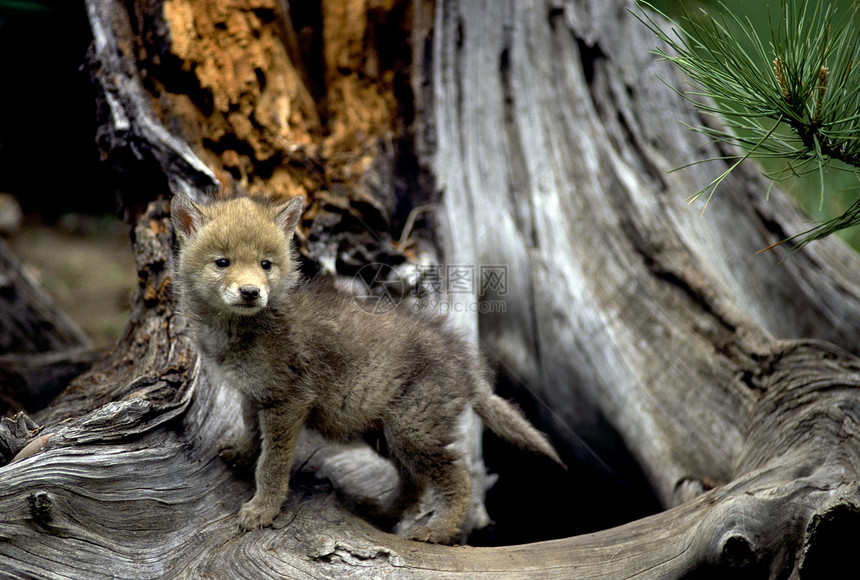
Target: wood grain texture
[(563, 170)]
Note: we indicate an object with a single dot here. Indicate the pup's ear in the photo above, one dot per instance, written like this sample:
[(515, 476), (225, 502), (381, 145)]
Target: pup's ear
[(186, 215), (289, 214)]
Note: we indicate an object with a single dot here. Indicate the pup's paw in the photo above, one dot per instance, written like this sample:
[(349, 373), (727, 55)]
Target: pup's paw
[(237, 452), (253, 515), (430, 535)]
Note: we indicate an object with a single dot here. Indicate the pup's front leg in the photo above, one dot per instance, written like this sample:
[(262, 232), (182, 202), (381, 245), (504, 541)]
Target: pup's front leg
[(279, 431)]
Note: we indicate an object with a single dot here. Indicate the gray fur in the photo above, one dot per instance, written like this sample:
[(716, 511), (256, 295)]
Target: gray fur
[(302, 353)]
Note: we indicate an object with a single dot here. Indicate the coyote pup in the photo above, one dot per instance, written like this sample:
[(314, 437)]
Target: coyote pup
[(301, 353)]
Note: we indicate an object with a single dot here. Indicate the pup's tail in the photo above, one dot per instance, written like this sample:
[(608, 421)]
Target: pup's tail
[(509, 423)]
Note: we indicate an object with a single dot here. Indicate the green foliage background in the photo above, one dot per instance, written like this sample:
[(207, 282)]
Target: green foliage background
[(840, 187)]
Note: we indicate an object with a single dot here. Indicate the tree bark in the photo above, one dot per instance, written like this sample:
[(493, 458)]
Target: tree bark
[(631, 326)]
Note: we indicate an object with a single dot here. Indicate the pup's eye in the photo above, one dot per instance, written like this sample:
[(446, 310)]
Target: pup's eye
[(222, 262), (265, 264)]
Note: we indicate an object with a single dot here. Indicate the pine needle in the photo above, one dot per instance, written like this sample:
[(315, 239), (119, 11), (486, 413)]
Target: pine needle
[(793, 97)]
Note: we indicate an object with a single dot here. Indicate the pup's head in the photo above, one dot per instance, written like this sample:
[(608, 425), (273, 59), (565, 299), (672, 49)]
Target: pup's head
[(235, 254)]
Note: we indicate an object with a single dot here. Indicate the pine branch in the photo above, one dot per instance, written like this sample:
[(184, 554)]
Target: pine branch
[(795, 96)]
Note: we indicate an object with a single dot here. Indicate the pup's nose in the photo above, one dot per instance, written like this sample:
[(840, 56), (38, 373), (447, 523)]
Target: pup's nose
[(249, 292)]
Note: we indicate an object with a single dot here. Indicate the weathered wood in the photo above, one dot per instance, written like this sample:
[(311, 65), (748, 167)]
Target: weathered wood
[(622, 301), (645, 328), (29, 320), (41, 348)]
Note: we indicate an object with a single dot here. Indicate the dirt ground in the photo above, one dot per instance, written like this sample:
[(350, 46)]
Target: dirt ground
[(86, 265)]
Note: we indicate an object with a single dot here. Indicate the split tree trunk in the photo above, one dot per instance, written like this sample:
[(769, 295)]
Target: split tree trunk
[(542, 137)]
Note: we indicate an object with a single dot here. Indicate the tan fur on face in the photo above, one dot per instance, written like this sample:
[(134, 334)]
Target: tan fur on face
[(245, 233)]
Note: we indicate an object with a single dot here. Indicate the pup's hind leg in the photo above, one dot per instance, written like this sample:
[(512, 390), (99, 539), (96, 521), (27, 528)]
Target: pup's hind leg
[(453, 484), (425, 459)]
